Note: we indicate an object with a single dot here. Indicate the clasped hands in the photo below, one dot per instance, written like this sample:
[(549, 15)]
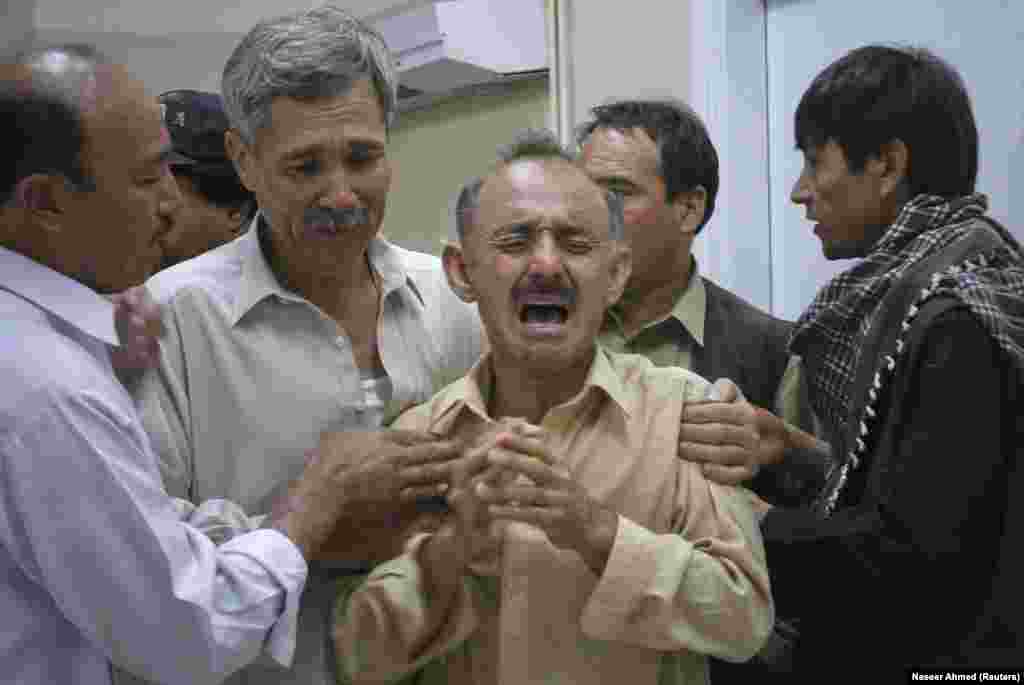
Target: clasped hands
[(363, 494), (511, 474)]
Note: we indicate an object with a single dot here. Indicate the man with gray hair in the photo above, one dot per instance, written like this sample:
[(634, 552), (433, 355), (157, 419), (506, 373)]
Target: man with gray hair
[(579, 548), (310, 329)]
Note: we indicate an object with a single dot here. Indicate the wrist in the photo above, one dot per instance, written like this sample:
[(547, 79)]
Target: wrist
[(292, 517), (283, 525)]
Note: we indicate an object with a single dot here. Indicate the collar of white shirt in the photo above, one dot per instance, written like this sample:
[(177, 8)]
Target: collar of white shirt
[(63, 297), (258, 281)]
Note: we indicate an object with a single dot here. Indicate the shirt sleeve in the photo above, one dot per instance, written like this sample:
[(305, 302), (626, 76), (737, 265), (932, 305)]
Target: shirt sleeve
[(162, 400), (702, 587), (388, 627), (84, 515), (218, 519), (161, 396)]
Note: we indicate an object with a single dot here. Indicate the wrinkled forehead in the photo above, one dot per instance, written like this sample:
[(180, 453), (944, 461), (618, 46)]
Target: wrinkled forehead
[(542, 190), (615, 149)]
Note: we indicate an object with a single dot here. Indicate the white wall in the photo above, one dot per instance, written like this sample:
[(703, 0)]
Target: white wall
[(17, 26), (625, 49), (687, 49)]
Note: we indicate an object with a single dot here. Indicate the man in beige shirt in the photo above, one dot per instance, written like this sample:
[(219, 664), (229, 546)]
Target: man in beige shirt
[(579, 549)]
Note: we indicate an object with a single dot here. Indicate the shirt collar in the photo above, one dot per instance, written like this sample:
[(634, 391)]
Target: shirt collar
[(387, 262), (472, 392), (258, 280), (61, 296), (690, 308)]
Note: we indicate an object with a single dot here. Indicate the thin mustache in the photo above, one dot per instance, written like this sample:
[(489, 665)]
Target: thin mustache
[(346, 216)]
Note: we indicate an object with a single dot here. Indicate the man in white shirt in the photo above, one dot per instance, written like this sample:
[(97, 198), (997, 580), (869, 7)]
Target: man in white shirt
[(96, 567), (311, 321)]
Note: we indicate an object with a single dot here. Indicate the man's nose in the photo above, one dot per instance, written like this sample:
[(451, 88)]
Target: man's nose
[(546, 258), (800, 194), (170, 198), (338, 194)]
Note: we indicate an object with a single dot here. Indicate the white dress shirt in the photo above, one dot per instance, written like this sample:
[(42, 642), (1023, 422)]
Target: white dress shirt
[(251, 374), (95, 563)]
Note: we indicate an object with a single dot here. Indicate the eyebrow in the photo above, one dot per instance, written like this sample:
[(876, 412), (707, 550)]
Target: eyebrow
[(516, 227), (313, 148), (531, 225), (304, 151)]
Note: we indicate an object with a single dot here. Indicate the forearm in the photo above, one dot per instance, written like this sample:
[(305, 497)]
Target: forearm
[(108, 545)]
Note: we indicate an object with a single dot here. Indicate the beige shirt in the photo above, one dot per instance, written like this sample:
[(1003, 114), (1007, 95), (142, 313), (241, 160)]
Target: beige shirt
[(251, 374), (686, 576)]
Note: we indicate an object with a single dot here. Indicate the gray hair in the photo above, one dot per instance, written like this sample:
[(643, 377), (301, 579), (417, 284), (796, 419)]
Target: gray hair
[(312, 53), (530, 144)]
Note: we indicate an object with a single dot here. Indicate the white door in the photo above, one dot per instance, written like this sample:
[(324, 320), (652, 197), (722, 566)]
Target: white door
[(983, 39)]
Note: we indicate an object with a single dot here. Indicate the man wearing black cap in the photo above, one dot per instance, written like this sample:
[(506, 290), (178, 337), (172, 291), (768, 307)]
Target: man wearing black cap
[(215, 207)]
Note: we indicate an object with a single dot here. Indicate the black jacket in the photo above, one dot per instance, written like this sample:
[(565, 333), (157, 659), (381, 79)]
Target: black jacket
[(901, 574), (744, 344)]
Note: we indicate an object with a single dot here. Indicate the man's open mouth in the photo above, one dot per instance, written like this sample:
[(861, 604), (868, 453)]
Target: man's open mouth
[(543, 314)]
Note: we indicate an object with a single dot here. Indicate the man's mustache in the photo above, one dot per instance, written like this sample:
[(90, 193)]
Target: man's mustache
[(541, 289), (342, 217)]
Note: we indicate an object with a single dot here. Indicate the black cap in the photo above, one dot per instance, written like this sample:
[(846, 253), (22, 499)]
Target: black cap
[(196, 122)]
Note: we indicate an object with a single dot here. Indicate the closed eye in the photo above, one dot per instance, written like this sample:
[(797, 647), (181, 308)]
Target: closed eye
[(309, 167), (579, 245), (363, 157), (511, 245)]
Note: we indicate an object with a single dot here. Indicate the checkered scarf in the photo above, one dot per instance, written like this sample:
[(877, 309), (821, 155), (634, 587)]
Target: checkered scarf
[(993, 289)]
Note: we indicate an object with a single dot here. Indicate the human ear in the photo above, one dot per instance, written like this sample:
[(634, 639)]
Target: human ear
[(690, 206), (454, 262), (242, 157), (621, 268), (890, 166), (43, 196)]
